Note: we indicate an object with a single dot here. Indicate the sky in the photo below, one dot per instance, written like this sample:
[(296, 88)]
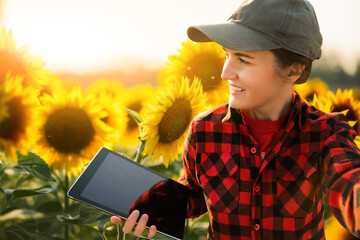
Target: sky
[(94, 35)]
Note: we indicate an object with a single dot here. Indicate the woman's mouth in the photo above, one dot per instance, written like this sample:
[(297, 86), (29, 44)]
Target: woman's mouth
[(236, 90)]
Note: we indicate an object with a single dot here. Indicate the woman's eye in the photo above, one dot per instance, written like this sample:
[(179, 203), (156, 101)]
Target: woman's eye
[(243, 61)]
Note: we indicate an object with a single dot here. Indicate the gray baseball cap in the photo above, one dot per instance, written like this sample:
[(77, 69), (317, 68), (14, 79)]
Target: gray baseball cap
[(264, 25)]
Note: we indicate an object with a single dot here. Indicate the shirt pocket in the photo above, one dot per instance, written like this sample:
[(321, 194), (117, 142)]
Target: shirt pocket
[(297, 181), (219, 178)]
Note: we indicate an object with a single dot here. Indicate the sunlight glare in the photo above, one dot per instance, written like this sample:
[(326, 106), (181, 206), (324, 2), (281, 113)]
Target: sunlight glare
[(82, 44)]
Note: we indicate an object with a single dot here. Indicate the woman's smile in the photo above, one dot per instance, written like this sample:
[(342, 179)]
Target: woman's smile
[(236, 90)]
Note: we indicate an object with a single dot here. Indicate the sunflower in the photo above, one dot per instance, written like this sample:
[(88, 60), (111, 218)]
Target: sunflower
[(356, 93), (137, 99), (114, 98), (116, 116), (16, 118), (18, 61), (343, 100), (4, 111), (323, 105), (202, 60), (357, 141), (311, 87), (55, 84), (166, 126), (335, 231), (70, 130), (326, 106), (110, 87)]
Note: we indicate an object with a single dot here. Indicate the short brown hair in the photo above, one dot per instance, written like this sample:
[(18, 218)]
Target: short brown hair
[(285, 58)]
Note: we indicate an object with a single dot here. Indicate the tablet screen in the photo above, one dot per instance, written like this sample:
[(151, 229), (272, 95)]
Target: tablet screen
[(119, 185)]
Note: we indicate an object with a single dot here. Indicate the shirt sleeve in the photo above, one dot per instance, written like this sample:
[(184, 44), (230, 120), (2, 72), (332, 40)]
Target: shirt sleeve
[(197, 205), (340, 158)]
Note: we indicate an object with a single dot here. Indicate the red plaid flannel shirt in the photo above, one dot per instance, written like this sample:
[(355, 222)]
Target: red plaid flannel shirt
[(279, 196)]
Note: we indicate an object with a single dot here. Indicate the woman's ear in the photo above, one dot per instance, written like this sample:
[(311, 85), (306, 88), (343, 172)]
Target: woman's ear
[(294, 72)]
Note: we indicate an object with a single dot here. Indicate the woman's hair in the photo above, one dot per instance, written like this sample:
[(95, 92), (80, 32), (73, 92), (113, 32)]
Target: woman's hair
[(285, 58)]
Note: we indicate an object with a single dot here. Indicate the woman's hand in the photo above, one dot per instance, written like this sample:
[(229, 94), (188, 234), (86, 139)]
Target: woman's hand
[(132, 222)]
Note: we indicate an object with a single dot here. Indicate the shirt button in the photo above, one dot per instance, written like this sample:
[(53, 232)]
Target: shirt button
[(257, 188), (256, 227), (253, 150)]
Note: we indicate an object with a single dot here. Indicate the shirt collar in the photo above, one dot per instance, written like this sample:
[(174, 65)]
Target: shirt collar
[(232, 115)]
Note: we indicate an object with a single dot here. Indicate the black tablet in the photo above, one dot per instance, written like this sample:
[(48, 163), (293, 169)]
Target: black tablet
[(118, 185)]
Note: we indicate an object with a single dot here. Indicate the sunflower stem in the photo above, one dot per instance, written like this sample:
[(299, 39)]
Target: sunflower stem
[(123, 236), (103, 236), (118, 231), (66, 205), (139, 157)]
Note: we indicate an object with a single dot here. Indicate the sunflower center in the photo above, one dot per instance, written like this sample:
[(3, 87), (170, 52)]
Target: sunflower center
[(208, 68), (69, 130), (175, 121), (12, 126)]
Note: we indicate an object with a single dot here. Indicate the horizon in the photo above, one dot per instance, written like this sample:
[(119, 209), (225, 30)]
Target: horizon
[(74, 38)]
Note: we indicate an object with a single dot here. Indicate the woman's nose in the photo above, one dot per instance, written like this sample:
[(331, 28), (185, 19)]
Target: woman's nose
[(228, 71)]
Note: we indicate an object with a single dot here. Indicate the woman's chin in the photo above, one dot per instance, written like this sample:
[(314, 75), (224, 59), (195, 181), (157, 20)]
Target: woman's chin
[(233, 103)]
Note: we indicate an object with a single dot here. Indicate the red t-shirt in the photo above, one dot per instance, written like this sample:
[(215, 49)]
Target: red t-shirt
[(263, 131)]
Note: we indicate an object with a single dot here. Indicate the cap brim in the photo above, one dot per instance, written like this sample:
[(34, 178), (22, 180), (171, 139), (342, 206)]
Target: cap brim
[(231, 35)]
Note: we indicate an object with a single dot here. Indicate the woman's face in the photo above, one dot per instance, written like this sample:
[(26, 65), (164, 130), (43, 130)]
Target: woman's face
[(255, 82)]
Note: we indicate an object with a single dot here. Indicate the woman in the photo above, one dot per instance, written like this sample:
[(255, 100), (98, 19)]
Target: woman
[(261, 163)]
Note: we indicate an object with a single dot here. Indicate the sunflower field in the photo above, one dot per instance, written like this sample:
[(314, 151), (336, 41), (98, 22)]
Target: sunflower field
[(50, 129)]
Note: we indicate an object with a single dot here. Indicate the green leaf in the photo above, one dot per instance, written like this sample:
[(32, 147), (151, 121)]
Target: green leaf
[(52, 206), (29, 230), (91, 215), (39, 236), (135, 115), (66, 218), (3, 166), (103, 224), (14, 235), (3, 199), (16, 232), (12, 194), (18, 215), (34, 165)]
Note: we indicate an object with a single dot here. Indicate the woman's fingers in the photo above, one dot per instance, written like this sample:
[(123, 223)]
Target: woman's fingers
[(131, 221), (152, 231), (116, 220), (141, 225)]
